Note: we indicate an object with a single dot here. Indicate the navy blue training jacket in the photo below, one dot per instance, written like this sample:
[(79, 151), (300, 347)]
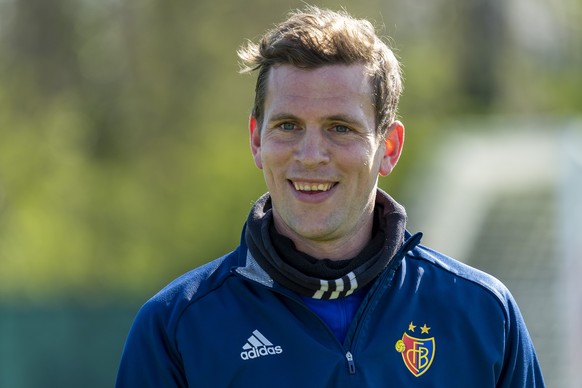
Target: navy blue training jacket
[(427, 321)]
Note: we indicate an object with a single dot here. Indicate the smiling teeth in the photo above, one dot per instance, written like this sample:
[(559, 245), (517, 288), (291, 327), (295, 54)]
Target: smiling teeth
[(312, 186)]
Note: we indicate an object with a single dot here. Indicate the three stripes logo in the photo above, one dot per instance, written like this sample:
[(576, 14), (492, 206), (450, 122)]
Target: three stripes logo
[(257, 345), (333, 289)]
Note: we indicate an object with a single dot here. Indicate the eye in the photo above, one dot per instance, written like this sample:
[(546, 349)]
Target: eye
[(287, 126), (341, 128)]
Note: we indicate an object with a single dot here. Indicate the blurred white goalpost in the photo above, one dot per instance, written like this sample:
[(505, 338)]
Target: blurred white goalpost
[(570, 214)]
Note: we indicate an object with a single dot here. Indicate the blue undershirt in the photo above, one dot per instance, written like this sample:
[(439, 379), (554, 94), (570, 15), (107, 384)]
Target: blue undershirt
[(338, 314)]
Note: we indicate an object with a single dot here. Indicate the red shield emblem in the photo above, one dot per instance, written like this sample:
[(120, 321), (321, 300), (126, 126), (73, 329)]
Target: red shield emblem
[(417, 353)]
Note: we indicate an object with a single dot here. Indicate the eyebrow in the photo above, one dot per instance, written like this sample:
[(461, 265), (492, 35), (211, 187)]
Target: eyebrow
[(338, 117), (283, 116), (346, 119)]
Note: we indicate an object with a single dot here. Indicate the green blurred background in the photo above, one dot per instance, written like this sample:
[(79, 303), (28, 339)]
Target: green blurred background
[(124, 157)]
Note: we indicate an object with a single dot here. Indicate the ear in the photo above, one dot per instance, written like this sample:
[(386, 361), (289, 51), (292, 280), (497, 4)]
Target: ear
[(255, 138), (394, 142)]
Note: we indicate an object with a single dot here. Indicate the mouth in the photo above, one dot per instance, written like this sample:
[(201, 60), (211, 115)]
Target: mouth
[(312, 187)]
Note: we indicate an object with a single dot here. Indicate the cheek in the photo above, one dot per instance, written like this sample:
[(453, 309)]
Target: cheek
[(367, 159), (270, 159), (366, 164), (273, 153)]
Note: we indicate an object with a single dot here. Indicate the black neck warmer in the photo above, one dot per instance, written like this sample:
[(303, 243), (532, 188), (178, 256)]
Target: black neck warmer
[(324, 278)]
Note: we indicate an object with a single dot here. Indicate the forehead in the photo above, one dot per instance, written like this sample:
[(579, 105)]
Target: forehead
[(323, 87)]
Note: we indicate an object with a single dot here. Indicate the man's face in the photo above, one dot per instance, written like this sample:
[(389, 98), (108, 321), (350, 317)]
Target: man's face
[(321, 156)]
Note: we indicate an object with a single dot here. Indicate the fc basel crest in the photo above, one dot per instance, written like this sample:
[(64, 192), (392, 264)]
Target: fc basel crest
[(417, 353)]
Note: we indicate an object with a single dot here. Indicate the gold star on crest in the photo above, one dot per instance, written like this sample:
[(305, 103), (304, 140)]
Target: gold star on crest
[(424, 329), (411, 327)]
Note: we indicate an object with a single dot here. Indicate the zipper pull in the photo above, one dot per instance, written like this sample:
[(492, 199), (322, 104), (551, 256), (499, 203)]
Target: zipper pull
[(351, 364)]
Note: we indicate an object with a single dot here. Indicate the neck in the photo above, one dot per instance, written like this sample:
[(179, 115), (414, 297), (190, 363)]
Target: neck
[(330, 248)]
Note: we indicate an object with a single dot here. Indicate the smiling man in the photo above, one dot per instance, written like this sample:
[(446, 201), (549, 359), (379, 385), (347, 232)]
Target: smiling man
[(327, 288), (321, 156)]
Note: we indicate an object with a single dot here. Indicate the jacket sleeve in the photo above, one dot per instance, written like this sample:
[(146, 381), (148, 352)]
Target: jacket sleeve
[(150, 357), (521, 368)]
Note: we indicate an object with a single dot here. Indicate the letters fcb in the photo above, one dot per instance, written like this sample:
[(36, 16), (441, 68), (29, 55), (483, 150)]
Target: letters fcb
[(417, 353)]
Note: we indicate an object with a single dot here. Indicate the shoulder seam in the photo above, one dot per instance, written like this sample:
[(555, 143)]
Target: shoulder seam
[(497, 294)]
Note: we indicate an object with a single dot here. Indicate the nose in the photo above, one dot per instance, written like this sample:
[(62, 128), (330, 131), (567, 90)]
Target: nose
[(312, 148)]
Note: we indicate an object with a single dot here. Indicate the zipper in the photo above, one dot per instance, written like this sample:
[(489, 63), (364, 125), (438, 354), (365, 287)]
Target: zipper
[(351, 364)]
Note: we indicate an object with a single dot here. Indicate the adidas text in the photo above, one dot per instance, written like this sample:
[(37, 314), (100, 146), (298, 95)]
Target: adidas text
[(261, 351)]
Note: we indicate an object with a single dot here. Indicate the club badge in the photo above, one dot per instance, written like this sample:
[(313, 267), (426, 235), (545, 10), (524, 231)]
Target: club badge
[(417, 353)]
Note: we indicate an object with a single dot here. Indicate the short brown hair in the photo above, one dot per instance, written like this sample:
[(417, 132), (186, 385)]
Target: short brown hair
[(315, 37)]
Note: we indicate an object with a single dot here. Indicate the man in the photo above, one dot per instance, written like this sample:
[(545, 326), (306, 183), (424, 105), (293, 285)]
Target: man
[(327, 288)]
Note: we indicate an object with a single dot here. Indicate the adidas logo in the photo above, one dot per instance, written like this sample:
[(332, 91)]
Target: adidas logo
[(257, 345)]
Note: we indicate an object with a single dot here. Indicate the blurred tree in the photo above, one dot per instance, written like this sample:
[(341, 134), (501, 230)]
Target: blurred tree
[(123, 151), (482, 38), (42, 43)]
